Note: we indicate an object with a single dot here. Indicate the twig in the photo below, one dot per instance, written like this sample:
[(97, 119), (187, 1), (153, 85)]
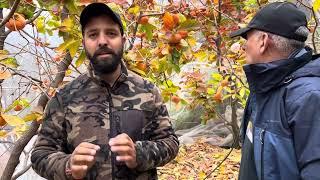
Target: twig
[(221, 162), (13, 9)]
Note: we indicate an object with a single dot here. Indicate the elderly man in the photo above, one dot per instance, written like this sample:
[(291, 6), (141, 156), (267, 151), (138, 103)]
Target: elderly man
[(108, 123), (281, 125)]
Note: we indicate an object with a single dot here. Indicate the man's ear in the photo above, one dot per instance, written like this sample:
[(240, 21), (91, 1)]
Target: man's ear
[(263, 43), (123, 40)]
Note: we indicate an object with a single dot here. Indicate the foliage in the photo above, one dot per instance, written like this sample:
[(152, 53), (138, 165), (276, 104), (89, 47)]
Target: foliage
[(197, 160)]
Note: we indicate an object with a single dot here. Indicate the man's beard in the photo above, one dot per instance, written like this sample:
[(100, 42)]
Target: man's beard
[(105, 65)]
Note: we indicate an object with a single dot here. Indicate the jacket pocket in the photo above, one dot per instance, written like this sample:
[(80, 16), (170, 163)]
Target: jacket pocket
[(131, 122)]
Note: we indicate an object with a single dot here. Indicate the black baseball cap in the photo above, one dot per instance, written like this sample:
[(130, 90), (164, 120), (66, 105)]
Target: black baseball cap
[(280, 18), (98, 9)]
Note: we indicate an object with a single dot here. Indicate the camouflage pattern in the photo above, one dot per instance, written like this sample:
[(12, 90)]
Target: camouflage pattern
[(79, 112)]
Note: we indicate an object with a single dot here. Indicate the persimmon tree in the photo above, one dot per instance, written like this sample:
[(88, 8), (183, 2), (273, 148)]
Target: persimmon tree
[(162, 37)]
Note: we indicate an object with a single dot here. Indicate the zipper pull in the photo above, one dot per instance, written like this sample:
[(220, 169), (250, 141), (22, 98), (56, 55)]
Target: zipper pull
[(262, 136)]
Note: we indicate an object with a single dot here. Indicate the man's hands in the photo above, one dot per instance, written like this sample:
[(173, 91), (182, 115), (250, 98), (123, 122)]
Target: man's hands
[(84, 155), (82, 159), (124, 147)]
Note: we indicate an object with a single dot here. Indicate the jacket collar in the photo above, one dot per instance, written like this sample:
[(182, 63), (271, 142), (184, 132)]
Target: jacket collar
[(263, 77), (96, 78)]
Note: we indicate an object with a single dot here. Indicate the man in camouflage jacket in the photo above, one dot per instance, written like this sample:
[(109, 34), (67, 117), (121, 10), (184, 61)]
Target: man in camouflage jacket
[(77, 139)]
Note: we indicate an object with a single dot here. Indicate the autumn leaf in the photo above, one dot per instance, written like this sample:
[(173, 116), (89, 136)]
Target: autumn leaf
[(316, 5), (13, 120), (10, 62), (168, 22), (3, 133), (5, 74), (4, 54)]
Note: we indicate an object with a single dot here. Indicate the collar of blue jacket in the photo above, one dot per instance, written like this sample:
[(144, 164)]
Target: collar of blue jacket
[(263, 77)]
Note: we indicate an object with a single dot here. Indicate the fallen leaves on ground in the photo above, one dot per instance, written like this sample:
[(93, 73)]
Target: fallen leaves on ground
[(196, 161)]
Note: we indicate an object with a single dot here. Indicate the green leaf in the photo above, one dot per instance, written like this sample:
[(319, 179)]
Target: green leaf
[(53, 23), (211, 91), (4, 4), (188, 24), (242, 92), (10, 62), (39, 22), (24, 102), (71, 6), (182, 18), (81, 58), (148, 28), (26, 9), (73, 48), (217, 76), (13, 120), (316, 5)]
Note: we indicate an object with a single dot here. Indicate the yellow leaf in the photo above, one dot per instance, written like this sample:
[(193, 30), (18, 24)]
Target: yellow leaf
[(212, 57), (68, 72), (33, 116), (5, 74), (201, 55), (134, 10), (4, 54), (13, 120), (67, 25), (192, 42), (316, 5), (19, 130), (138, 71), (202, 175), (3, 133)]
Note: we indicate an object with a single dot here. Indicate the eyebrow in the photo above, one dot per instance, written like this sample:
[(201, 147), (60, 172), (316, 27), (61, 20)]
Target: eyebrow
[(107, 29)]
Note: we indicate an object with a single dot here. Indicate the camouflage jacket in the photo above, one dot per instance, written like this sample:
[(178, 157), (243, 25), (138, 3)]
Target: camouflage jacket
[(80, 112)]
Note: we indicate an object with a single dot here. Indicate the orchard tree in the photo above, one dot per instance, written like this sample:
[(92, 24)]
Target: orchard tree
[(162, 37)]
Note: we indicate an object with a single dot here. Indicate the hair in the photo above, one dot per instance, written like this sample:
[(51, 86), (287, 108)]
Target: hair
[(285, 45)]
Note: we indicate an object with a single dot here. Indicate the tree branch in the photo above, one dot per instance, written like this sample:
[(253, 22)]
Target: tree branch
[(23, 141), (13, 9)]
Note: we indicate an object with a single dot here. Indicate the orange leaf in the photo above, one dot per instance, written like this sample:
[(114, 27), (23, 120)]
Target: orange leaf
[(168, 21), (5, 74)]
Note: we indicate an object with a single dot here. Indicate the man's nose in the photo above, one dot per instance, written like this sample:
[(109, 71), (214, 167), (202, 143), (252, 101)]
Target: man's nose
[(103, 40)]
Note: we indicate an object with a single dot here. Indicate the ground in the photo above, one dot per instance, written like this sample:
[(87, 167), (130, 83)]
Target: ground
[(197, 161)]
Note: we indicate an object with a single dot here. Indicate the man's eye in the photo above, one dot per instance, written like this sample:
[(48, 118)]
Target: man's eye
[(93, 35), (111, 33)]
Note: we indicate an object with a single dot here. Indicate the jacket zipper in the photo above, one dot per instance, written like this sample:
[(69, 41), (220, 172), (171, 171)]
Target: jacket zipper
[(262, 133), (112, 132)]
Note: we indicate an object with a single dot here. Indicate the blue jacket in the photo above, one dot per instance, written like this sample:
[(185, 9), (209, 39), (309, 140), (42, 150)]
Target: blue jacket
[(283, 111)]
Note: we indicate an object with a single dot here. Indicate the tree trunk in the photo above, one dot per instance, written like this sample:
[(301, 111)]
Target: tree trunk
[(2, 32), (234, 124)]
